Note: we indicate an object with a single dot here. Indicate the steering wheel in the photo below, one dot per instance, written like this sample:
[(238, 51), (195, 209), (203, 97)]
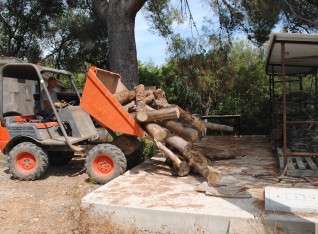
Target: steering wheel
[(65, 104)]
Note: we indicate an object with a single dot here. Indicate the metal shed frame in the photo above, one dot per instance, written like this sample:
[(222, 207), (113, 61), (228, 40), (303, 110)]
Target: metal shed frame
[(291, 55)]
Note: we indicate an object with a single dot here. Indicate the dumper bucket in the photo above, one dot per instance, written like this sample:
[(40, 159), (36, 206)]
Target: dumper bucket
[(98, 101)]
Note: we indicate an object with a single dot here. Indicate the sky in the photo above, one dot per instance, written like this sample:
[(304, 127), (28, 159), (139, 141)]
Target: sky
[(152, 47)]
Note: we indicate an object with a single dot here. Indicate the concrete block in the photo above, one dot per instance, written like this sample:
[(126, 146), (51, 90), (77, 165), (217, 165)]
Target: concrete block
[(291, 200), (11, 87), (150, 199)]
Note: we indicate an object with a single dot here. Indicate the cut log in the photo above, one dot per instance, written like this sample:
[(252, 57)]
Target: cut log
[(219, 127), (133, 115), (140, 95), (125, 96), (156, 131), (196, 160), (161, 103), (158, 115), (127, 144), (181, 130), (129, 106), (193, 121), (159, 94), (183, 168), (149, 99), (200, 124), (216, 152)]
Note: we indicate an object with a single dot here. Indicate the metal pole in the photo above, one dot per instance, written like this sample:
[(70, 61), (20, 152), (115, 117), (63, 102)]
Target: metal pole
[(284, 103), (73, 147), (75, 88), (1, 98)]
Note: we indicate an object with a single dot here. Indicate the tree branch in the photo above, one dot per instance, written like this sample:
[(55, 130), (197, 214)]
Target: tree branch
[(296, 15)]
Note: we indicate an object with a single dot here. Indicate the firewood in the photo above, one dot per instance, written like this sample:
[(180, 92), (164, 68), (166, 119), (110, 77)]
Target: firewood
[(158, 115), (220, 127), (156, 131), (125, 96), (217, 152), (200, 124), (196, 160), (183, 168), (194, 121), (160, 99), (129, 106), (181, 130), (149, 99), (140, 95)]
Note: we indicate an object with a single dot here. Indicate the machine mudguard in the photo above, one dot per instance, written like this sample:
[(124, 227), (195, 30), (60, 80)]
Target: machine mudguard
[(17, 140)]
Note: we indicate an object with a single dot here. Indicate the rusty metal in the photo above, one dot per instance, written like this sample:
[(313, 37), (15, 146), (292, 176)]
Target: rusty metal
[(302, 122), (284, 103), (302, 154)]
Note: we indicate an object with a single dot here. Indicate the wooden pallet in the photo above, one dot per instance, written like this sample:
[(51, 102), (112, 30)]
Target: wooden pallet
[(299, 166)]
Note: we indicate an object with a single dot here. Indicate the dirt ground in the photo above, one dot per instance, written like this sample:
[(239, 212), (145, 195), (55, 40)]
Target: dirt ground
[(50, 205)]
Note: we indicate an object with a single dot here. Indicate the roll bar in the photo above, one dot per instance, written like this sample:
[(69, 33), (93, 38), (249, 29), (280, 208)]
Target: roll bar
[(12, 70)]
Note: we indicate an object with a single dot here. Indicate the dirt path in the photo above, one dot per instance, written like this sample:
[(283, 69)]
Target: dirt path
[(50, 205)]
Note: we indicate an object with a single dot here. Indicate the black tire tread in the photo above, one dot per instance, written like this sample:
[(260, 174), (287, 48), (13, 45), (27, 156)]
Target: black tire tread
[(43, 161), (114, 152)]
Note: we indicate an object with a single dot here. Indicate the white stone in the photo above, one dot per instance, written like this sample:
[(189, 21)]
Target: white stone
[(291, 200)]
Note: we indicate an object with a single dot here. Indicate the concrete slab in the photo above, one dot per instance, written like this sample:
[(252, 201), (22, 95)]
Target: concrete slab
[(291, 200), (153, 199)]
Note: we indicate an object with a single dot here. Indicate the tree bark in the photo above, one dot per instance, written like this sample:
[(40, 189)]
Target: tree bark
[(179, 129), (130, 106), (120, 23), (219, 127), (140, 95), (156, 131), (183, 168), (196, 160), (125, 96), (158, 115)]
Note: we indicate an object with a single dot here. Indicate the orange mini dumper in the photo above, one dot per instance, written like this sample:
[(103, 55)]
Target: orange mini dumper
[(31, 142)]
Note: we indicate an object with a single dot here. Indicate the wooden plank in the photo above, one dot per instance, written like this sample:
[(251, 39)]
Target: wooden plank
[(311, 164), (302, 173), (291, 165), (280, 159), (300, 163)]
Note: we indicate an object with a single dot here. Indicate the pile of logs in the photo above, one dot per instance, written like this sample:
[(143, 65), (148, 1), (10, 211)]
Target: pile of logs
[(173, 130)]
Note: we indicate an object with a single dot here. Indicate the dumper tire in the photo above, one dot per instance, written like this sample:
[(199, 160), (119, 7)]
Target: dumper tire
[(27, 161), (59, 158), (105, 162)]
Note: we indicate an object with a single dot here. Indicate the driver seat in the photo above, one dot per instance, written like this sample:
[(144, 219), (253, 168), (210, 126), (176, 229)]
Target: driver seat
[(37, 104)]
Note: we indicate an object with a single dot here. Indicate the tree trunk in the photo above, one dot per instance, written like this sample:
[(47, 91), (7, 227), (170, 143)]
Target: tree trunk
[(156, 131), (181, 130), (196, 160), (158, 115), (125, 96), (182, 166), (120, 21)]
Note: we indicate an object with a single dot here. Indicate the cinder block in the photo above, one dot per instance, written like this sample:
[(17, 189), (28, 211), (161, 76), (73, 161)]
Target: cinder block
[(291, 200), (11, 87)]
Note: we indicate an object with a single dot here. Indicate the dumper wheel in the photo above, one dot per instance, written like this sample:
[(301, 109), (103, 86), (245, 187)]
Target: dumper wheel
[(27, 161), (105, 162), (57, 158)]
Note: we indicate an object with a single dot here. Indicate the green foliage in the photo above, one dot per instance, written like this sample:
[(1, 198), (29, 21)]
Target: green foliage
[(68, 32), (148, 149), (216, 80)]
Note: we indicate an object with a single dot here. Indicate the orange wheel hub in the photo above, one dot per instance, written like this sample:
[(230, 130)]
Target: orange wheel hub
[(103, 165), (25, 162)]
